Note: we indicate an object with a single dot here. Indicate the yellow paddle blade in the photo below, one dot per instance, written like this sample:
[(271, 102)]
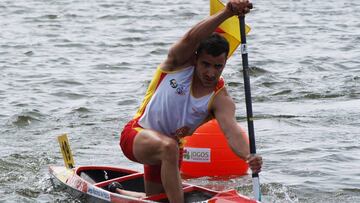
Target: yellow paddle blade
[(66, 151), (230, 28)]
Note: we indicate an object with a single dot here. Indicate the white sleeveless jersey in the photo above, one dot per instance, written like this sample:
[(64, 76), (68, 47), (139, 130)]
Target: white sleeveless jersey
[(169, 106)]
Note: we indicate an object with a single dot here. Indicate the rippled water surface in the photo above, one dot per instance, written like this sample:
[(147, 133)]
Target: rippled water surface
[(82, 67)]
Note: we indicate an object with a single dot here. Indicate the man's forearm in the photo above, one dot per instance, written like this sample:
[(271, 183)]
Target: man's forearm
[(238, 143), (207, 26)]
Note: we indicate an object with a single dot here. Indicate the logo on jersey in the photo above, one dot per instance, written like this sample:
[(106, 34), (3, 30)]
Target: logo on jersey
[(183, 131), (173, 83), (179, 88)]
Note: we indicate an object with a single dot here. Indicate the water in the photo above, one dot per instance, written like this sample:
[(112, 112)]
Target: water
[(82, 68)]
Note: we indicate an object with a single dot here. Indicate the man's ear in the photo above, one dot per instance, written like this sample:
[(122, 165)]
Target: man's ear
[(194, 58)]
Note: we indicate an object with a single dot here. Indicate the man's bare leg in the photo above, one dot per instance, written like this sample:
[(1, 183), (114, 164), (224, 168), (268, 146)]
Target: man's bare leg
[(153, 188), (151, 147), (131, 193), (171, 179)]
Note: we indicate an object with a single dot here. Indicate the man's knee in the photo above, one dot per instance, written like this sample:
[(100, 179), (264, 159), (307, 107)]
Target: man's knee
[(170, 150)]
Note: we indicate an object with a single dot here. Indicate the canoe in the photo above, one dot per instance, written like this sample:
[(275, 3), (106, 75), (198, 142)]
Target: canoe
[(90, 184)]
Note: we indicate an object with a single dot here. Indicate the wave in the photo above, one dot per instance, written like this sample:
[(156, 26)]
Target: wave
[(27, 118)]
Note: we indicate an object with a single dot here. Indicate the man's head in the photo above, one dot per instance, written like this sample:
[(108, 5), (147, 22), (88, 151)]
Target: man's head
[(211, 58), (214, 45)]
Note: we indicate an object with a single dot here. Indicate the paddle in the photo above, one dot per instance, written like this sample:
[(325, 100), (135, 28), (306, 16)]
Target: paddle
[(66, 151), (249, 113)]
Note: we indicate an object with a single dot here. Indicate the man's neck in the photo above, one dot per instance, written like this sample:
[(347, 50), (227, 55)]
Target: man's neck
[(198, 89)]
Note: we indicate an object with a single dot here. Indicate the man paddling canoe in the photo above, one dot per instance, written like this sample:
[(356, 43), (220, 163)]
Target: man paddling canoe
[(186, 91)]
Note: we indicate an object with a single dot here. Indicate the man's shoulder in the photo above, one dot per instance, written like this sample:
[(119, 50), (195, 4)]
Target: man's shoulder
[(220, 84), (222, 101), (172, 68), (223, 94), (170, 65)]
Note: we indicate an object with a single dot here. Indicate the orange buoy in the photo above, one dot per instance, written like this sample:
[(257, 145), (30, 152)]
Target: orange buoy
[(206, 153)]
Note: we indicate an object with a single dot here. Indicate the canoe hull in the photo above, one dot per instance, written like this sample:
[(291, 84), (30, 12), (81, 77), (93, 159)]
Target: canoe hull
[(89, 184)]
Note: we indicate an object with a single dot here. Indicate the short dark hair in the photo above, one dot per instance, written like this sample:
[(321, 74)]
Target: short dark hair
[(215, 45)]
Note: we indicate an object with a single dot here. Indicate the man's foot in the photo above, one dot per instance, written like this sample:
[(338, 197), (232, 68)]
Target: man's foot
[(115, 185)]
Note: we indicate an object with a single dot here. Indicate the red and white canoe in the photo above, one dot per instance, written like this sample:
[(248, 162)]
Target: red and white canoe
[(90, 184)]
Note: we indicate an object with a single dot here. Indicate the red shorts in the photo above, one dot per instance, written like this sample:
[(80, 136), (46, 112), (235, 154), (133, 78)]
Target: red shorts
[(127, 137), (151, 172)]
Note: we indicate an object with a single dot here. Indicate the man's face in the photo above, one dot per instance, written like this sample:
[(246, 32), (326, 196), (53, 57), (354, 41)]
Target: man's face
[(209, 68)]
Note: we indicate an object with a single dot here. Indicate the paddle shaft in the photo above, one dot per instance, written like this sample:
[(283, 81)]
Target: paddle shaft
[(249, 113)]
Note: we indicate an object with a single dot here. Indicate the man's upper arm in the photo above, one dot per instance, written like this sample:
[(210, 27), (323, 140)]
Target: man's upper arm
[(224, 110), (180, 54)]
